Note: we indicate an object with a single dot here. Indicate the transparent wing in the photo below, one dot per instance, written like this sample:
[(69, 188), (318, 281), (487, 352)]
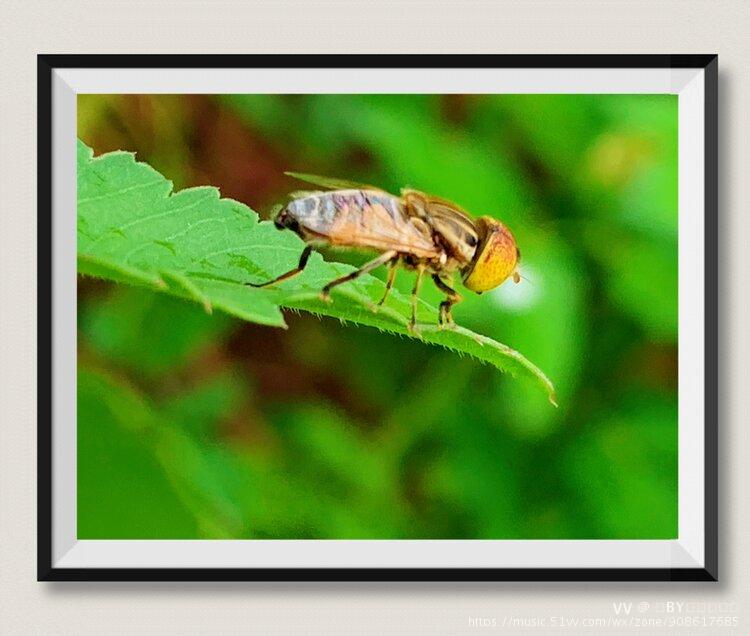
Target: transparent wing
[(331, 183), (302, 194), (379, 230)]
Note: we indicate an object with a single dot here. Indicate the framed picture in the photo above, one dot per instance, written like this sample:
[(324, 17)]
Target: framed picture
[(377, 317)]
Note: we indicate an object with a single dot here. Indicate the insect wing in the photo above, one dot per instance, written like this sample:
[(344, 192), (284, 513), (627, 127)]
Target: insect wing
[(400, 233), (331, 183), (304, 194), (368, 218)]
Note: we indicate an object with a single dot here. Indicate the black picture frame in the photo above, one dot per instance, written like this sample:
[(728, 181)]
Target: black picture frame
[(46, 64)]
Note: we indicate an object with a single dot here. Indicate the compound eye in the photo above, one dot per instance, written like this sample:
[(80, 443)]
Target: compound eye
[(495, 258)]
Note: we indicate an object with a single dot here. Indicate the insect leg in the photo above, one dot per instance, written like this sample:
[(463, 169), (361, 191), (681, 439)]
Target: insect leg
[(391, 277), (292, 272), (452, 297), (415, 299), (325, 294)]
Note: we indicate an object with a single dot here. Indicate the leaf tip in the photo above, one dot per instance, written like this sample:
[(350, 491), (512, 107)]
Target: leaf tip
[(553, 399)]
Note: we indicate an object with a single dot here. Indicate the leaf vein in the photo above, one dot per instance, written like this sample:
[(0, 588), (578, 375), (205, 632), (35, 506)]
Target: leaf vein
[(107, 195)]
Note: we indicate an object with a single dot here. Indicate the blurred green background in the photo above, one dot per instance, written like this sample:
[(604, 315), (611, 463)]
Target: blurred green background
[(198, 426)]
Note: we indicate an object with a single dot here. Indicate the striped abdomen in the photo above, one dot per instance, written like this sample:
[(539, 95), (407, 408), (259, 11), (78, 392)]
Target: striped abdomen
[(358, 218)]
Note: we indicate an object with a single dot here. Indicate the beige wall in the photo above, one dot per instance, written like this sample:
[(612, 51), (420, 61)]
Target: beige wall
[(605, 26)]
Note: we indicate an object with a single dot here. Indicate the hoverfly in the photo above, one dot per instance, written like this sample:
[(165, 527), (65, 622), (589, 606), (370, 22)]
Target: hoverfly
[(417, 231)]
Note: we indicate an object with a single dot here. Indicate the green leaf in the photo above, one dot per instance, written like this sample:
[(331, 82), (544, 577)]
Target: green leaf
[(132, 228)]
